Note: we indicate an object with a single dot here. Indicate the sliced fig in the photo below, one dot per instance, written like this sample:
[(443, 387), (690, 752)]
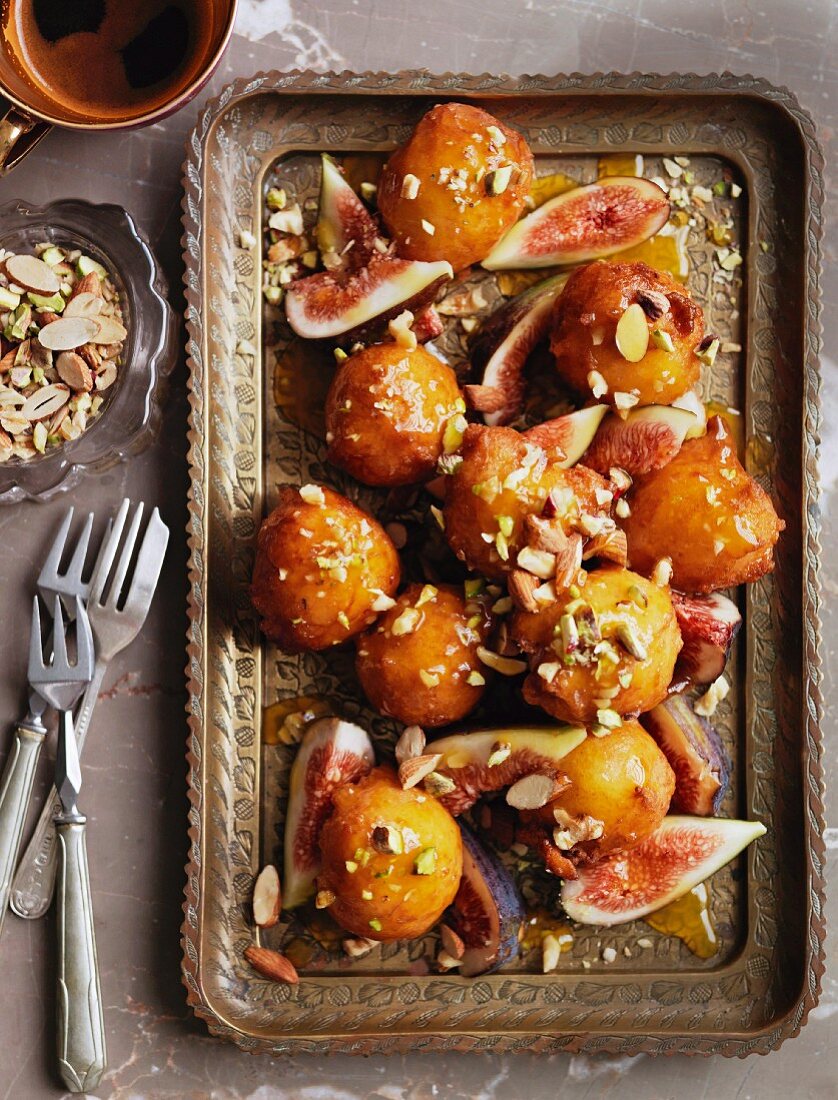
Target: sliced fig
[(501, 347), (680, 854), (615, 213), (646, 440), (695, 753), (571, 434), (345, 227), (488, 760), (708, 626), (333, 303), (331, 754), (487, 913), (691, 401)]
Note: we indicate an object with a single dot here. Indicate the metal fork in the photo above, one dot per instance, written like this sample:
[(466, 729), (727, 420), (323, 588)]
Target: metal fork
[(81, 1024), (114, 625)]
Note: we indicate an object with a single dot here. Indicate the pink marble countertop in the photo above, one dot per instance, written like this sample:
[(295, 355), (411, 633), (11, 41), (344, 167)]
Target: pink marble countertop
[(136, 771)]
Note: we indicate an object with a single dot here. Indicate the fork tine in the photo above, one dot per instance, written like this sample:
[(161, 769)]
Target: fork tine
[(36, 645), (59, 641), (76, 566), (107, 552), (85, 659), (125, 557), (49, 570), (149, 563)]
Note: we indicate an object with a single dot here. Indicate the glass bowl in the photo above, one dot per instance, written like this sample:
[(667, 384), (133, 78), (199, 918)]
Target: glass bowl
[(130, 416)]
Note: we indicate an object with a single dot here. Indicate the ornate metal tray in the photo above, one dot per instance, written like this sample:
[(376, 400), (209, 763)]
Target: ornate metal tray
[(254, 425)]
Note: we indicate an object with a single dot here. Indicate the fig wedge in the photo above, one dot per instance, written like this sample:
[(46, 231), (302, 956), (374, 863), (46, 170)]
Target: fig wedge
[(344, 225), (334, 303), (487, 913), (332, 754), (488, 760), (571, 435), (586, 223), (695, 753), (683, 852), (500, 349), (708, 625), (646, 440)]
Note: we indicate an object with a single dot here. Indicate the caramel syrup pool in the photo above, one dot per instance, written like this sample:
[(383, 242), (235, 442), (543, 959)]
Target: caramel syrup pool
[(689, 919)]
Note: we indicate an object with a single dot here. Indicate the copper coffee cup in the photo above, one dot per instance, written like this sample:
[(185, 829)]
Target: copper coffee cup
[(27, 113)]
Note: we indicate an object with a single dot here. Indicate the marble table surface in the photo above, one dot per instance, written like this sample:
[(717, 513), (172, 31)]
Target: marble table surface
[(135, 764)]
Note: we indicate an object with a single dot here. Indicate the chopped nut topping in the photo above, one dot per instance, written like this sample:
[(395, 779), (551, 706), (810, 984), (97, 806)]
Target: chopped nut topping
[(313, 494), (662, 573), (411, 744), (522, 586), (387, 840), (534, 791), (406, 622), (402, 332), (417, 768), (540, 563), (506, 666), (428, 227), (497, 182), (707, 704), (599, 387), (410, 186), (325, 898)]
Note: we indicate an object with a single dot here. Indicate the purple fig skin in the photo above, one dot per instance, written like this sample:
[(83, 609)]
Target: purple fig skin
[(492, 884), (709, 625), (500, 348), (695, 752)]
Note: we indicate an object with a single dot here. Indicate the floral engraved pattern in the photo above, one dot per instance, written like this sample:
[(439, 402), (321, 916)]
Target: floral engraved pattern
[(758, 992)]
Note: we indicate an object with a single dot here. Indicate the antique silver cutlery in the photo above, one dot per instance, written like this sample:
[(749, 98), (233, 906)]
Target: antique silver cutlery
[(81, 1025), (115, 623)]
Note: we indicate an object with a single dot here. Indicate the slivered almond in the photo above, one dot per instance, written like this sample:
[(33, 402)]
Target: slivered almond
[(271, 964), (106, 377), (568, 562), (109, 331), (485, 399), (267, 897), (521, 586), (73, 370), (610, 546), (359, 946), (32, 274), (87, 284), (84, 305), (45, 402), (69, 333), (413, 771), (452, 943), (534, 791), (545, 534), (411, 744)]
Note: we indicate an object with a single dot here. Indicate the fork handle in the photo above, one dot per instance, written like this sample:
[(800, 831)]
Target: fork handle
[(34, 881), (81, 1022), (15, 792)]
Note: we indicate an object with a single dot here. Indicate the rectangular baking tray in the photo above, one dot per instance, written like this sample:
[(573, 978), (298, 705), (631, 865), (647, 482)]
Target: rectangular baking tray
[(758, 989)]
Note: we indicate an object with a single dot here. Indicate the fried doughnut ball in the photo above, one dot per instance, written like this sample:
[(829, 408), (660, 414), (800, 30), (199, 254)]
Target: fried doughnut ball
[(622, 781), (608, 651), (706, 513), (502, 479), (419, 663), (392, 859), (584, 329), (322, 565), (447, 194), (386, 414)]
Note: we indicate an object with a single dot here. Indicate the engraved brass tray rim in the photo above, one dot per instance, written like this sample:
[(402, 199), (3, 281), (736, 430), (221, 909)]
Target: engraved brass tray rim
[(735, 1041)]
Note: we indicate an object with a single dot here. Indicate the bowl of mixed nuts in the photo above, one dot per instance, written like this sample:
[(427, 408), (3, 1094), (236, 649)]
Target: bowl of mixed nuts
[(86, 341)]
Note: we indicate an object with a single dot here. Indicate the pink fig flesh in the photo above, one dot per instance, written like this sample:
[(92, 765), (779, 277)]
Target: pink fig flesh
[(427, 325), (646, 440), (331, 754), (586, 223), (570, 436), (695, 753), (500, 349), (344, 225), (468, 760), (334, 303), (708, 625), (680, 854)]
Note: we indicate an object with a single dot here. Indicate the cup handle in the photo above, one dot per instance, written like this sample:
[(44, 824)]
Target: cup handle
[(18, 134)]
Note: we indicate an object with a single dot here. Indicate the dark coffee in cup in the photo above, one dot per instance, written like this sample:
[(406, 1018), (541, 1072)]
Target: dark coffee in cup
[(108, 60)]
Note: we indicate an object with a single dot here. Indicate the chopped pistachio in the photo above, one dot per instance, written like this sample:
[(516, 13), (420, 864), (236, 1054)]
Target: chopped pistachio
[(428, 593), (351, 866), (629, 639), (474, 679), (662, 340), (276, 198), (506, 525), (496, 182), (425, 862), (375, 924), (473, 587), (429, 679), (501, 750)]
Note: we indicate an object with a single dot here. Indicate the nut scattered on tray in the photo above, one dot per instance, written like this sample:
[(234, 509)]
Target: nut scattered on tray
[(62, 340)]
